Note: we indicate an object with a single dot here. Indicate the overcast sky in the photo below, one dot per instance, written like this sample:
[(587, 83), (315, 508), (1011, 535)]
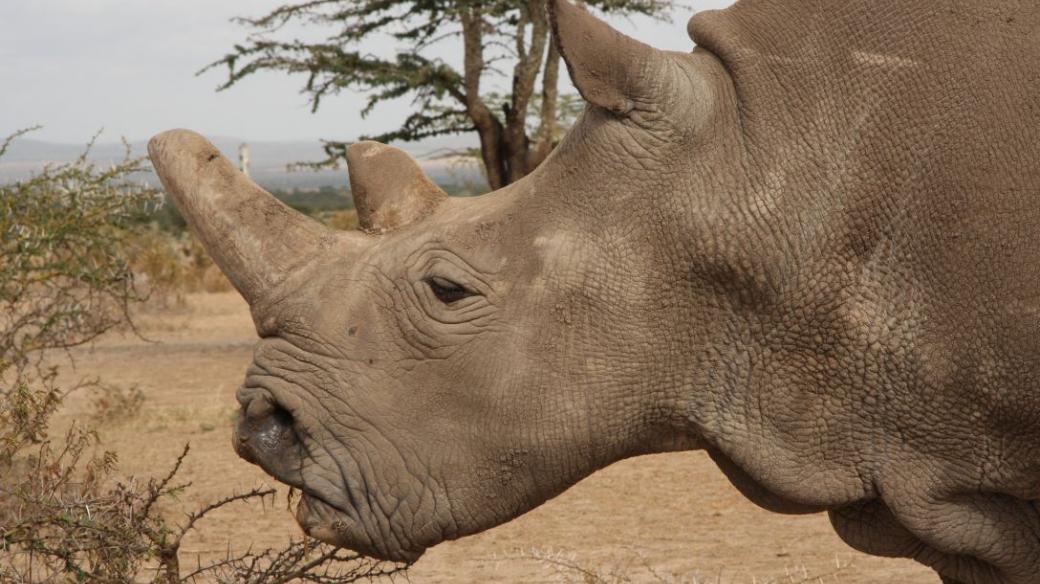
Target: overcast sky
[(128, 66)]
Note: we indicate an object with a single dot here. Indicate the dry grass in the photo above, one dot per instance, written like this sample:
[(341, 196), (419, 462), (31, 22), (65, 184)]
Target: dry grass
[(112, 404), (634, 567)]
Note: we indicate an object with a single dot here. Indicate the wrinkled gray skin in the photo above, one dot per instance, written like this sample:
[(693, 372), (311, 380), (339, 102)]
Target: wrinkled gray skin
[(809, 247)]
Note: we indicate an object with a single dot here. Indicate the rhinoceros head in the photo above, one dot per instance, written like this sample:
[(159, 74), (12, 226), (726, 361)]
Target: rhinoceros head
[(459, 361)]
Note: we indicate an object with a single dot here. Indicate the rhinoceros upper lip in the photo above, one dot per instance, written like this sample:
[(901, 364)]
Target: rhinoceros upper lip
[(265, 403)]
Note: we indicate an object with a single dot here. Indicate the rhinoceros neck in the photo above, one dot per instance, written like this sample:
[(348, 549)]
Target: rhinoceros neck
[(889, 282)]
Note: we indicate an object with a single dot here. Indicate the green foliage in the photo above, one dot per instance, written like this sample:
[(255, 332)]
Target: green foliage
[(63, 280), (336, 63)]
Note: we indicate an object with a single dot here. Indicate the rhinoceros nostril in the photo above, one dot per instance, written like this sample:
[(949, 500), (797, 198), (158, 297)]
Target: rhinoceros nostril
[(274, 431), (259, 407), (266, 432), (282, 417)]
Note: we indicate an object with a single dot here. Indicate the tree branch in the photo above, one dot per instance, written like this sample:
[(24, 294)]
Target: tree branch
[(491, 31), (525, 73), (488, 127)]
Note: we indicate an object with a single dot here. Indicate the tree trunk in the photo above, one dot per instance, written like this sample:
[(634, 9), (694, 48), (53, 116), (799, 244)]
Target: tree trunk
[(488, 127), (492, 153), (546, 139), (506, 150), (525, 73)]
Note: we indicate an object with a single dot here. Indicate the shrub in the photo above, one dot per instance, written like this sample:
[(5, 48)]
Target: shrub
[(114, 403), (65, 513), (159, 269), (203, 274), (70, 519), (167, 265), (63, 280)]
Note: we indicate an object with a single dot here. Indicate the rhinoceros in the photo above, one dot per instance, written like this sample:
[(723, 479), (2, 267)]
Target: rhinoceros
[(809, 247)]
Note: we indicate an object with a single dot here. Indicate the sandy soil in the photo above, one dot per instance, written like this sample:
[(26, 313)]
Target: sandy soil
[(662, 518)]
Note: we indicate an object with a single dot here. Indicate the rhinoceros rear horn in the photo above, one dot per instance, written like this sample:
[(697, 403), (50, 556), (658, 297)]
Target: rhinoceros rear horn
[(256, 240), (389, 188), (611, 70)]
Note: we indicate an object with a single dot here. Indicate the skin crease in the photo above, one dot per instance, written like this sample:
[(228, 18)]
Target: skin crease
[(815, 259)]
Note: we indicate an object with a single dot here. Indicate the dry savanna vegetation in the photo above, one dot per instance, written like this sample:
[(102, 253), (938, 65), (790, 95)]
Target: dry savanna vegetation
[(121, 346), (79, 260)]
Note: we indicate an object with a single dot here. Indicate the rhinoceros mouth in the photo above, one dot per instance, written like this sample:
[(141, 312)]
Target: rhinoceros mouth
[(270, 436), (322, 520), (328, 523)]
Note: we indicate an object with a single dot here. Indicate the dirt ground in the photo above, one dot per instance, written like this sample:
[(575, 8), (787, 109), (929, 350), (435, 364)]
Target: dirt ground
[(661, 518)]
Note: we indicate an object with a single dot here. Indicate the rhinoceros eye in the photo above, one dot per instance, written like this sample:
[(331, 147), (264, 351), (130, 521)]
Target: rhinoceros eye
[(447, 291)]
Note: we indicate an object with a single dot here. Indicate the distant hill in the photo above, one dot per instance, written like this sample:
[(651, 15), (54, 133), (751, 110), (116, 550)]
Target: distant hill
[(268, 161)]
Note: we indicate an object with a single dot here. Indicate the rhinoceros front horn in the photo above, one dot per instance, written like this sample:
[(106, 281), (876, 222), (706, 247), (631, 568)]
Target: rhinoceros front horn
[(255, 239), (390, 190)]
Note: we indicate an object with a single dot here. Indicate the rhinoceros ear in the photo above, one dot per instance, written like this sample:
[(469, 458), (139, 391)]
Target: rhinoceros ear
[(389, 188), (611, 70)]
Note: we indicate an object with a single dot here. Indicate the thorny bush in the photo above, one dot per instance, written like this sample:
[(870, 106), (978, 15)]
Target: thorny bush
[(66, 515)]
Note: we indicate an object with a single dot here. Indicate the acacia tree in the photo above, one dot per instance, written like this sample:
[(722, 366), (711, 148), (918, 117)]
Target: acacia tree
[(517, 129)]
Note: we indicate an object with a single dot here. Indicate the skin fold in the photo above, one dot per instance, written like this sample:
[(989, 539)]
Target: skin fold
[(808, 246)]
